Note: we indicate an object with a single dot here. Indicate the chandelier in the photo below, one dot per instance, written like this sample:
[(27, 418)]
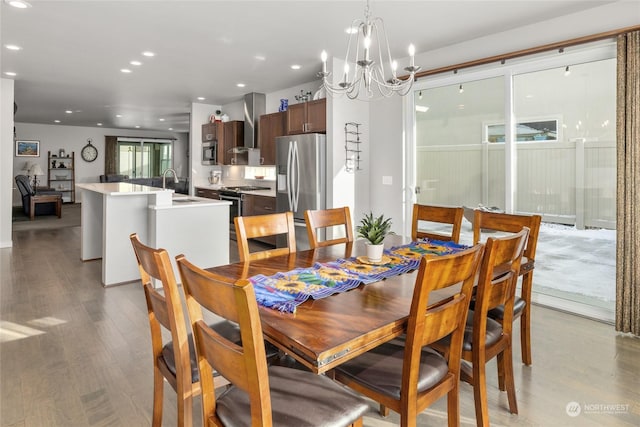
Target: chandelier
[(369, 74)]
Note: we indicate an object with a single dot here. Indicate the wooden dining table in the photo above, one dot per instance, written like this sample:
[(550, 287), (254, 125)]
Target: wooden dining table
[(321, 334)]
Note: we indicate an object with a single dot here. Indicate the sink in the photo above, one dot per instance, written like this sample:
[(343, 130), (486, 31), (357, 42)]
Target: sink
[(185, 200)]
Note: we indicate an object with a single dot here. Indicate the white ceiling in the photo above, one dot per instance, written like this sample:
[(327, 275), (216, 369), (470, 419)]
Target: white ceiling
[(72, 51)]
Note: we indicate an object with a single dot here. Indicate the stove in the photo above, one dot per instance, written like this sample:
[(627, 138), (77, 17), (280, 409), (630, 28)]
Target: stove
[(234, 195), (237, 190)]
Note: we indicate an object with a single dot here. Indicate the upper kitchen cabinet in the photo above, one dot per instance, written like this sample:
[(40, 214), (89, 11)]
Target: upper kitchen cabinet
[(307, 117), (271, 127), (212, 131), (234, 138)]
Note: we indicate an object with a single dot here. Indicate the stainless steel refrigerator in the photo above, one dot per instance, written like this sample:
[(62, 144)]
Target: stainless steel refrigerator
[(301, 178)]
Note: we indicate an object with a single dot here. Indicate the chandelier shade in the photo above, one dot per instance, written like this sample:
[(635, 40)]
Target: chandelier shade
[(375, 70)]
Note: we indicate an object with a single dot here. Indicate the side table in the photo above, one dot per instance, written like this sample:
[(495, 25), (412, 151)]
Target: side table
[(45, 198)]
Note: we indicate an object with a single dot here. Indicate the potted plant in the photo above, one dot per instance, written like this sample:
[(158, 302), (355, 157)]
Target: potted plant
[(374, 229)]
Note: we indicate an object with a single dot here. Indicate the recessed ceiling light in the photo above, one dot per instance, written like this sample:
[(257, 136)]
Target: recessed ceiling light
[(56, 121), (136, 63), (351, 30), (241, 85), (12, 47), (10, 73), (201, 98), (125, 70), (68, 111), (118, 115), (260, 57), (148, 53), (295, 67), (99, 124), (170, 128), (162, 120), (20, 4), (137, 126)]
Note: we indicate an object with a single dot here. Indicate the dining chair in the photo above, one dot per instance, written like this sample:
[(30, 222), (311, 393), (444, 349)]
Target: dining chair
[(408, 377), (324, 218), (259, 395), (250, 227), (522, 306), (485, 338), (173, 360), (439, 214)]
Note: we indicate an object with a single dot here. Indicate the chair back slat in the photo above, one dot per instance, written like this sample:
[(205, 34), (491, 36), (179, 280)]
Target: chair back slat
[(324, 218), (444, 319), (250, 227), (158, 304), (509, 223), (244, 365), (439, 214)]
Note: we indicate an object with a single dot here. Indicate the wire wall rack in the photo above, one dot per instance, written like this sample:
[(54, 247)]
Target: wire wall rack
[(352, 146)]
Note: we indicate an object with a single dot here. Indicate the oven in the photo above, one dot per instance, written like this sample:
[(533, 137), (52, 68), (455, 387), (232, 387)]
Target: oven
[(209, 152), (235, 196), (234, 210)]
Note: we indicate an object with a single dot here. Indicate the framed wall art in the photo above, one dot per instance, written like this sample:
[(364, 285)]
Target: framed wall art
[(27, 148)]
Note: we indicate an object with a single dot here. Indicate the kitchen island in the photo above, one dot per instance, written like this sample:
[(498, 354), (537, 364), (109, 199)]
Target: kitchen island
[(194, 226)]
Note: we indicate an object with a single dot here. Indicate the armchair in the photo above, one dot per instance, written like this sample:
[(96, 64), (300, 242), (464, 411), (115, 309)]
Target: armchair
[(26, 191)]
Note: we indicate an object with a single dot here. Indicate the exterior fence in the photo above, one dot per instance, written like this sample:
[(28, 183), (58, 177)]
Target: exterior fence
[(570, 183)]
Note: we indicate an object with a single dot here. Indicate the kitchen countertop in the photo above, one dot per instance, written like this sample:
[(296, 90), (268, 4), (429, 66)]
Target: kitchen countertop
[(179, 201), (120, 188)]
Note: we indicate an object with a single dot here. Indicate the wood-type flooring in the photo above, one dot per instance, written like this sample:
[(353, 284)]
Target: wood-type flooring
[(73, 353)]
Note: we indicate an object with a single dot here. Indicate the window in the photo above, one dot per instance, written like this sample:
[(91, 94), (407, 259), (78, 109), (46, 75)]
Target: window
[(144, 158), (529, 130)]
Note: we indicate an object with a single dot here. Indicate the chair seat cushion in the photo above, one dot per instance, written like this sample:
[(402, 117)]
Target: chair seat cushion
[(229, 330), (494, 332), (298, 399), (518, 307), (380, 369)]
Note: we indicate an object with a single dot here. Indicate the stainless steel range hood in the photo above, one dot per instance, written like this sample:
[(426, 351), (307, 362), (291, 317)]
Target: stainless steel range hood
[(254, 107)]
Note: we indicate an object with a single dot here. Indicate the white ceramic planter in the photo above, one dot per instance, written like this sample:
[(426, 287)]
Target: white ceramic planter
[(374, 252)]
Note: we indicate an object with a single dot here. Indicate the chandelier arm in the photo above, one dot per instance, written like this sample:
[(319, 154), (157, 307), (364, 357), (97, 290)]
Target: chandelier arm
[(384, 38)]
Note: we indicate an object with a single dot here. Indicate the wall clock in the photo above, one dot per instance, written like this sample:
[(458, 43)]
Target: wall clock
[(89, 152)]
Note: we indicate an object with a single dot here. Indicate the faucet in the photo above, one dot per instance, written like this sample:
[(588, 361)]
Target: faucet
[(164, 176)]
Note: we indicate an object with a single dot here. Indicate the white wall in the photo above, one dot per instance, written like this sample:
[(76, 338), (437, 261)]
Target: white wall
[(73, 138), (6, 154)]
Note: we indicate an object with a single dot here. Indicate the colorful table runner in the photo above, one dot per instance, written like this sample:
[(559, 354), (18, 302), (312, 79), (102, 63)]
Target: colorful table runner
[(285, 291)]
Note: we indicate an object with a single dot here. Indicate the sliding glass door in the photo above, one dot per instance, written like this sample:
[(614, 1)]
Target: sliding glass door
[(144, 158), (536, 136)]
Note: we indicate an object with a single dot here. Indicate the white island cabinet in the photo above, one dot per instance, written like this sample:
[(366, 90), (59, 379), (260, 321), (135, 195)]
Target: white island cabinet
[(194, 226)]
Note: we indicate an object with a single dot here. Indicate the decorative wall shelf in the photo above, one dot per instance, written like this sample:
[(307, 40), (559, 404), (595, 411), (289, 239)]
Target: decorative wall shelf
[(352, 146)]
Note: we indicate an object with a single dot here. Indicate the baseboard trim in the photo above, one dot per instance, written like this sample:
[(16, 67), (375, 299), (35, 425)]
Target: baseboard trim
[(573, 307)]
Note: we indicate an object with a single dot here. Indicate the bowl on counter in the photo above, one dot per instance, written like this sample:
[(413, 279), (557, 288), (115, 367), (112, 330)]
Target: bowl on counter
[(259, 176)]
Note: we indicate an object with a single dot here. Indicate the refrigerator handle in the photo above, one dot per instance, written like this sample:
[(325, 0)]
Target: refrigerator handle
[(296, 180), (289, 172)]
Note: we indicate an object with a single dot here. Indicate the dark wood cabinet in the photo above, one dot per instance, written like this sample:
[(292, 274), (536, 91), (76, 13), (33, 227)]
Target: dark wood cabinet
[(271, 127), (214, 132), (208, 193), (259, 205), (307, 117), (234, 138)]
